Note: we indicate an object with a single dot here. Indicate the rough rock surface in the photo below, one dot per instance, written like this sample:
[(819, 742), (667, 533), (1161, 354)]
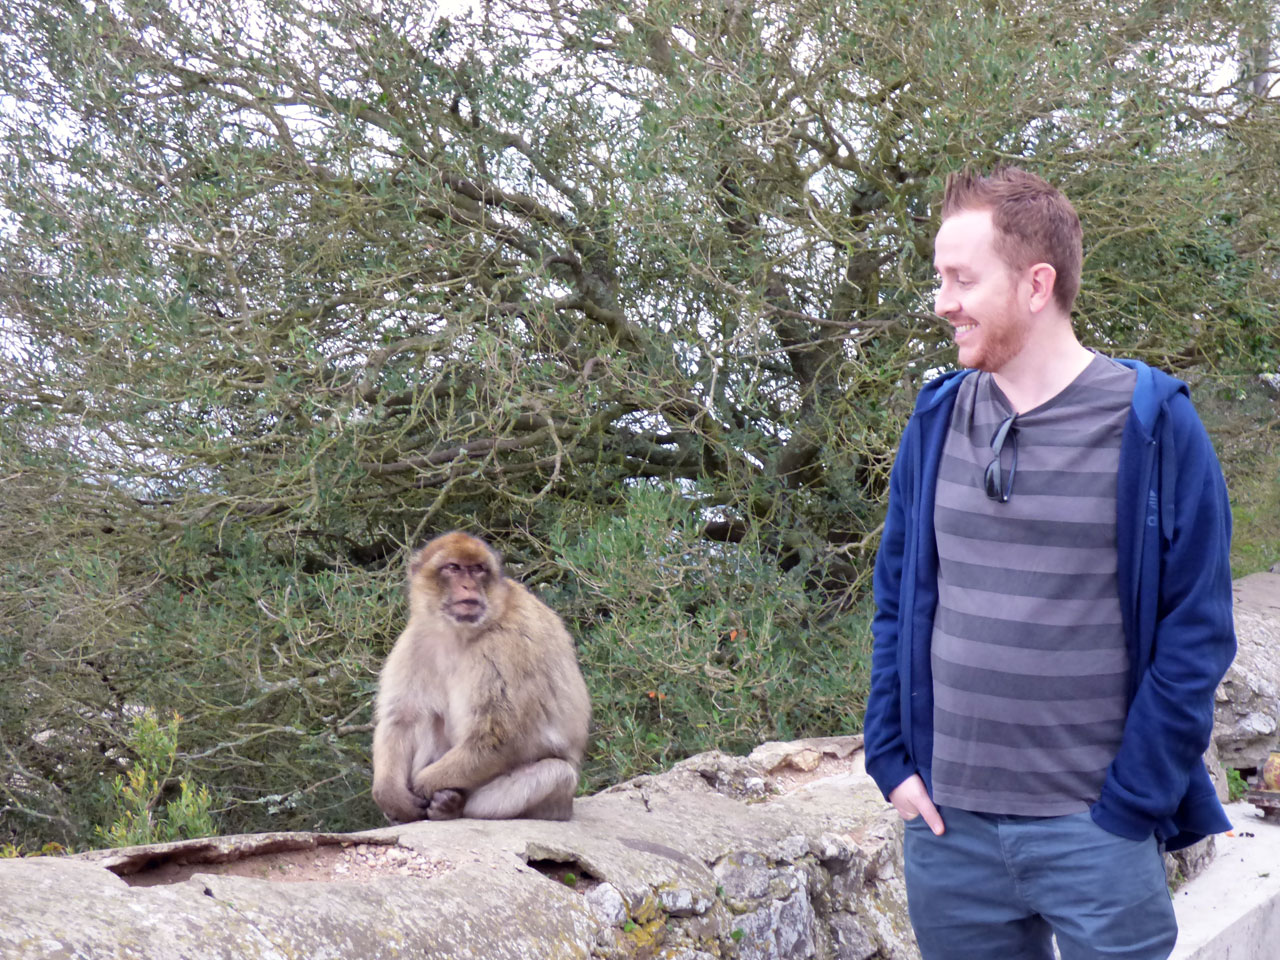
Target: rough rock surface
[(788, 854), (1247, 715), (1247, 710)]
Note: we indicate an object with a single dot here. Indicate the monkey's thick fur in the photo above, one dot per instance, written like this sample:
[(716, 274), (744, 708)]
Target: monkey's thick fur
[(481, 710)]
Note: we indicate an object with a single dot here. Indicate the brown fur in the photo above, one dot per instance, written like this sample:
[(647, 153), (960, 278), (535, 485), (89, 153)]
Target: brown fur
[(481, 710)]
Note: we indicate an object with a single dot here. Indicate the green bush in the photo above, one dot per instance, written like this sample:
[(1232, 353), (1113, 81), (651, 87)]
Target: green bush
[(689, 645), (140, 814), (1236, 785)]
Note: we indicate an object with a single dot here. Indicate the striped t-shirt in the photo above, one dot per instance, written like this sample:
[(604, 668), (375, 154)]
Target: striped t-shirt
[(1029, 662)]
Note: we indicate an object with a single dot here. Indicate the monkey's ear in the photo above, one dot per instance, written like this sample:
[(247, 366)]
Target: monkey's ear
[(416, 560), (499, 568)]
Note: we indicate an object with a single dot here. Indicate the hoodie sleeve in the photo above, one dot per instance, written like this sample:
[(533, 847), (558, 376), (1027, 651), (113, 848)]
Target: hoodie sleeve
[(884, 745), (1170, 720)]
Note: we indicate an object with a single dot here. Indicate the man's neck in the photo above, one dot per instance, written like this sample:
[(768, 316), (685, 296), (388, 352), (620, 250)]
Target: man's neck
[(1044, 368)]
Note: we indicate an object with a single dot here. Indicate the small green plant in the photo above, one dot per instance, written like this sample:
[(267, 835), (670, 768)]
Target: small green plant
[(1236, 785), (629, 926), (738, 934), (570, 879), (140, 817), (11, 851)]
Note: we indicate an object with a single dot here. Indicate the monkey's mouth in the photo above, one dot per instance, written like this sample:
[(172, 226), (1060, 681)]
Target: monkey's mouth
[(466, 611)]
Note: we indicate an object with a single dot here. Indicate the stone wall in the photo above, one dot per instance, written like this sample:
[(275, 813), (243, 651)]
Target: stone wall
[(788, 854)]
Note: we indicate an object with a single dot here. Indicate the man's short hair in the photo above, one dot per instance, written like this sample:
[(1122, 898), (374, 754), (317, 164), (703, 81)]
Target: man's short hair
[(1034, 222)]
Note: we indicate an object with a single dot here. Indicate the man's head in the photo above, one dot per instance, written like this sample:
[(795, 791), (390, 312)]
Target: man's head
[(1008, 262), (1034, 223)]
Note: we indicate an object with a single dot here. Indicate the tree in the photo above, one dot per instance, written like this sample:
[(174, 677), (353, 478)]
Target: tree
[(642, 293)]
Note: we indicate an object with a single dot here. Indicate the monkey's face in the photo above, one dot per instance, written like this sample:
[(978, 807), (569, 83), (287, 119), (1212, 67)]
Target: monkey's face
[(464, 589), (458, 577)]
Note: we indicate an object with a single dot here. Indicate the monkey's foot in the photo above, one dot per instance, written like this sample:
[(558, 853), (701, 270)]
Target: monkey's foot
[(446, 805)]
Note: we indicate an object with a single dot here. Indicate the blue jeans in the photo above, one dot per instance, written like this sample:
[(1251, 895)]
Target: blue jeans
[(995, 886)]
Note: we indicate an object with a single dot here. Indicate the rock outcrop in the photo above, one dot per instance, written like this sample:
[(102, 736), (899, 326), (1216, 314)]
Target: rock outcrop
[(789, 853), (1247, 717)]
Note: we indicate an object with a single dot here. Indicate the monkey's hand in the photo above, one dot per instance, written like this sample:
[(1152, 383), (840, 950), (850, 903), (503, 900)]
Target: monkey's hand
[(446, 805), (400, 805)]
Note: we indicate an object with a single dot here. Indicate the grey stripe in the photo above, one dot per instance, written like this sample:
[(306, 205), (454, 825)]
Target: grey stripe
[(1014, 530), (1047, 784), (1089, 758), (1043, 663), (1033, 712), (1046, 736), (1012, 801), (1063, 507), (1057, 480), (1029, 557), (1024, 686), (1010, 633), (996, 784), (1053, 585), (1029, 610), (1072, 443)]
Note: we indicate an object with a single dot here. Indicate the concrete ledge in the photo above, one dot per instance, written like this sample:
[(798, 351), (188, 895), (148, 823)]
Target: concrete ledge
[(1232, 910)]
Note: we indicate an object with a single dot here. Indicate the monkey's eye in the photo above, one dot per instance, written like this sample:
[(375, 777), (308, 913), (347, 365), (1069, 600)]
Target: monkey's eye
[(451, 568), (479, 570)]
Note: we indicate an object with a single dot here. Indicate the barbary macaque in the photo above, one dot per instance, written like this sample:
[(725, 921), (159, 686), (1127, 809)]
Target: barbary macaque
[(481, 711)]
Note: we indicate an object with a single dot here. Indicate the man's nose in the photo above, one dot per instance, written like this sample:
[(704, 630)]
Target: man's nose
[(944, 302)]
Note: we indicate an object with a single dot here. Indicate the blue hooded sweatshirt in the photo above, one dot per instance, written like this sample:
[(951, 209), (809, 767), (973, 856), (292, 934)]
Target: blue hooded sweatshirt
[(1173, 533)]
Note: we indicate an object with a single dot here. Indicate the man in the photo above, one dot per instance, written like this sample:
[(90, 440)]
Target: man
[(1053, 610)]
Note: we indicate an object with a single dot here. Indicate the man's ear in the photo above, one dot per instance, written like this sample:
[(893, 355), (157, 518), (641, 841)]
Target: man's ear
[(1043, 277)]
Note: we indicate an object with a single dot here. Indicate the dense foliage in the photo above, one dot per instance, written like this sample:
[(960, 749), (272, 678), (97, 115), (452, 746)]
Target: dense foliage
[(641, 292)]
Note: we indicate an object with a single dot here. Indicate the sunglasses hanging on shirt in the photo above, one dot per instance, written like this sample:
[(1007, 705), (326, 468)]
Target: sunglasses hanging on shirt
[(996, 486)]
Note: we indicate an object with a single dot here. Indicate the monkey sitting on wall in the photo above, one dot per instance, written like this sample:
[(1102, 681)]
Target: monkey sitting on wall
[(481, 711)]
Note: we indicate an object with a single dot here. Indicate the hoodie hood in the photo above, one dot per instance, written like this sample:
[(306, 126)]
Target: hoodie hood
[(1152, 391), (938, 390)]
